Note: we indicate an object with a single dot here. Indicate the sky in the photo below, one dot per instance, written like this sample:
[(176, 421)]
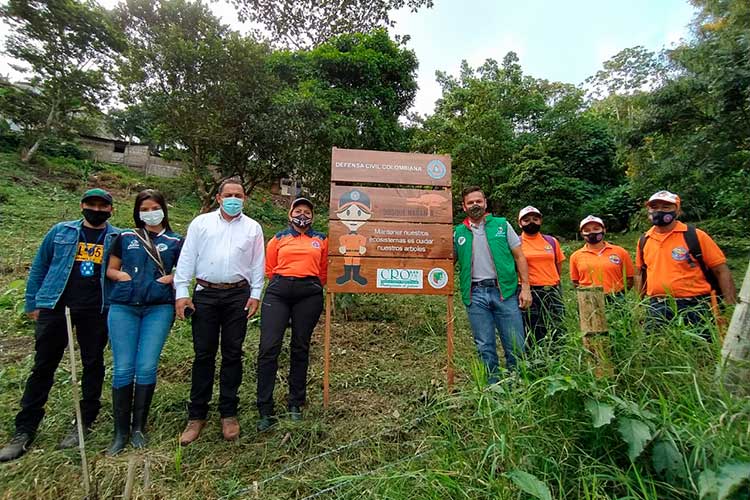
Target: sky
[(560, 40)]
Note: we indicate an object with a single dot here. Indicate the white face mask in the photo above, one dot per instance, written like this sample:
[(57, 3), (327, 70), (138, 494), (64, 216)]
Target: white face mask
[(152, 218)]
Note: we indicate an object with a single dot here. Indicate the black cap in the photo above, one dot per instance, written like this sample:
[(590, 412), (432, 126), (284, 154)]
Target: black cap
[(97, 193), (302, 201)]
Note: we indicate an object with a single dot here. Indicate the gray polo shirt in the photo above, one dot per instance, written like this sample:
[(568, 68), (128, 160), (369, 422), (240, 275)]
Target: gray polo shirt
[(482, 266)]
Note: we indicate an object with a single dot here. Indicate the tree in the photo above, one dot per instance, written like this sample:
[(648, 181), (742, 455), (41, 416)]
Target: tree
[(68, 46), (303, 24), (208, 90)]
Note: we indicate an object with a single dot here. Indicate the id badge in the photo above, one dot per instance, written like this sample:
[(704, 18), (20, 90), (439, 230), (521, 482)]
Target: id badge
[(87, 269)]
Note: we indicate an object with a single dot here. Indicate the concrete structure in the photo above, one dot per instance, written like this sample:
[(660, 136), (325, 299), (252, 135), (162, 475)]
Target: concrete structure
[(133, 155)]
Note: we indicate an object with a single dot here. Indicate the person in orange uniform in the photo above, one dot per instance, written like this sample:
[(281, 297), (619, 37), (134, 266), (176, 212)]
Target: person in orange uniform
[(680, 262), (296, 265), (544, 258), (600, 263)]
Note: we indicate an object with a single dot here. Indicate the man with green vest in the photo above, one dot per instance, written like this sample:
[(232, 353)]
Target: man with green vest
[(490, 262)]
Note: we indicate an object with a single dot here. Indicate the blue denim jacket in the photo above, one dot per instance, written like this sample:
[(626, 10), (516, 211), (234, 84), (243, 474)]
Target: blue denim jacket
[(54, 261)]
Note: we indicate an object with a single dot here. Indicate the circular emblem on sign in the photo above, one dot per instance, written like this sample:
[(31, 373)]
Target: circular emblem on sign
[(162, 247), (437, 277), (615, 259), (461, 240), (680, 254), (436, 169), (548, 248), (316, 244), (355, 195)]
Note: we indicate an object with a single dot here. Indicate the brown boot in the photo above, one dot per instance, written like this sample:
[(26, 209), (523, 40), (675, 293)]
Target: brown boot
[(192, 431), (230, 427)]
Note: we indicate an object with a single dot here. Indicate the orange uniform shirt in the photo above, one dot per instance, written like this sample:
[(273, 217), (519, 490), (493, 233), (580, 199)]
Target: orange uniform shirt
[(290, 253), (670, 268), (606, 267), (542, 258)]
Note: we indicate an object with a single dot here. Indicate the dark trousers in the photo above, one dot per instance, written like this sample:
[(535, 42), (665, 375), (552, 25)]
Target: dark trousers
[(300, 299), (545, 314), (51, 336), (220, 318), (695, 311)]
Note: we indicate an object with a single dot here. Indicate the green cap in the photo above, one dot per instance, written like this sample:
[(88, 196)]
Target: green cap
[(97, 193)]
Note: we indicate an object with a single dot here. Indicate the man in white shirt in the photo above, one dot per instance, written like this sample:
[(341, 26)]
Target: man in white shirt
[(224, 251)]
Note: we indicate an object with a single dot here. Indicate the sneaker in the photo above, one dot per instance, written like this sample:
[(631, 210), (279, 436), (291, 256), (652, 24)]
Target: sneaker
[(71, 438), (265, 423), (17, 447), (295, 413)]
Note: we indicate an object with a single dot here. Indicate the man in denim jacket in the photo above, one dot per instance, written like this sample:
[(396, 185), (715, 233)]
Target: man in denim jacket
[(67, 272)]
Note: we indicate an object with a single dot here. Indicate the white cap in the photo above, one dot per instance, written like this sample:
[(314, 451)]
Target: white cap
[(590, 218), (664, 196), (528, 210)]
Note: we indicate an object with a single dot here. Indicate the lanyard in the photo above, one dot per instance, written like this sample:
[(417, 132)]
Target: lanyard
[(90, 251)]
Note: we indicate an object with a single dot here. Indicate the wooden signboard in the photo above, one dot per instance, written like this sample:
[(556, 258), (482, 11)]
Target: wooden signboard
[(385, 167), (397, 239), (392, 204), (389, 240)]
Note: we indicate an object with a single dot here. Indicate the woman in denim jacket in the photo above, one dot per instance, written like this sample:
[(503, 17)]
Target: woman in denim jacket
[(141, 313)]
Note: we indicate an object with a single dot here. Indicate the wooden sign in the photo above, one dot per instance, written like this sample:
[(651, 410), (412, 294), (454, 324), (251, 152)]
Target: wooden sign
[(391, 204), (395, 239), (385, 167), (390, 275)]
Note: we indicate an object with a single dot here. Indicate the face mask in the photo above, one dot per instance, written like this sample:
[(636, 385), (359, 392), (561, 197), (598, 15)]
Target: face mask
[(301, 220), (475, 211), (594, 238), (232, 206), (152, 218), (96, 217), (531, 228), (660, 218)]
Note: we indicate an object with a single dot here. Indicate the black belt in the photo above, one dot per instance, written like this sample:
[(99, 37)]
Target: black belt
[(687, 301), (485, 283), (221, 286), (296, 278)]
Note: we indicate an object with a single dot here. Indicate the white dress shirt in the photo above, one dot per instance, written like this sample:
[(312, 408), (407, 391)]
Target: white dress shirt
[(221, 251)]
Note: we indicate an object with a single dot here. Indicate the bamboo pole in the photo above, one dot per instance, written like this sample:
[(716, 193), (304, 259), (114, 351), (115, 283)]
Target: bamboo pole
[(77, 404), (449, 347), (734, 370), (327, 351)]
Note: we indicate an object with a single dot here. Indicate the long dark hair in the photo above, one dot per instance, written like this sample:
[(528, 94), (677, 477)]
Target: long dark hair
[(150, 194)]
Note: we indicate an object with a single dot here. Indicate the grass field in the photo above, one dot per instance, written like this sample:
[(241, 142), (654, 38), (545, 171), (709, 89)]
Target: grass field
[(658, 427)]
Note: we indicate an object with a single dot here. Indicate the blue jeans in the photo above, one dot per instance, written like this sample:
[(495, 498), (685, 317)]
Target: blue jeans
[(137, 335), (488, 312), (694, 311)]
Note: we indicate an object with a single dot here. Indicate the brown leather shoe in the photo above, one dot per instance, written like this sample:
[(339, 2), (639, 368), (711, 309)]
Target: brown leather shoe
[(192, 431), (230, 427)]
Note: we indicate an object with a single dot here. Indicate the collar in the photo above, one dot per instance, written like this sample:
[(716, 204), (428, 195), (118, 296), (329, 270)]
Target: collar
[(527, 237), (597, 251), (467, 221), (234, 219)]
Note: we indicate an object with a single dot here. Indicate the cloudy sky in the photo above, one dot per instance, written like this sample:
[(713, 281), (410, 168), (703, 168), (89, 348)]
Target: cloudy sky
[(562, 40)]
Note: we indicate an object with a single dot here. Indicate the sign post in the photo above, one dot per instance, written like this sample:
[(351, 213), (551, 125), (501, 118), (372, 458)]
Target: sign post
[(393, 239)]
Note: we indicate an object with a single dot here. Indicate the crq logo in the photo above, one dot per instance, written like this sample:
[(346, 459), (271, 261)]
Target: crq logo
[(399, 278)]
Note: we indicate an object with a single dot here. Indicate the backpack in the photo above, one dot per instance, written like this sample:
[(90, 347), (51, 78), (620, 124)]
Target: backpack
[(549, 239), (694, 251)]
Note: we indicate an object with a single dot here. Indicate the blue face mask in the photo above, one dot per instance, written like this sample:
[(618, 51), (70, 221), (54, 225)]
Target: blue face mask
[(232, 206)]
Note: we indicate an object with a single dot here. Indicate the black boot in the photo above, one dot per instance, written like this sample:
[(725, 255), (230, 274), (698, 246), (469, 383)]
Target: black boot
[(346, 277), (141, 404), (122, 401), (356, 276)]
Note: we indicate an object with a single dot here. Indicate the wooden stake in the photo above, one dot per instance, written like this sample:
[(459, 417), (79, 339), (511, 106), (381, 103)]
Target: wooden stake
[(449, 347), (77, 404), (327, 350), (734, 370), (130, 481), (593, 323)]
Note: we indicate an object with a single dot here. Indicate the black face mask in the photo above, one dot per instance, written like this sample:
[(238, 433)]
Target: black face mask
[(96, 217), (531, 228), (660, 218), (593, 238), (475, 211), (301, 220)]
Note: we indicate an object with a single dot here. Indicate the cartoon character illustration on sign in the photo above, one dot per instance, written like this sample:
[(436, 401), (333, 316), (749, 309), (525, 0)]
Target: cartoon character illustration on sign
[(354, 210)]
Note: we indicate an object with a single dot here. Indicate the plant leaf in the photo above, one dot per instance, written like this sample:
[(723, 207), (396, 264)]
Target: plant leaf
[(558, 384), (530, 484), (601, 413), (668, 460), (636, 433), (720, 485)]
